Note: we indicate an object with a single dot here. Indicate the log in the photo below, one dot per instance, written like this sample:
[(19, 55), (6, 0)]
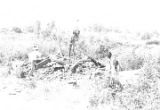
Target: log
[(96, 62), (42, 63), (90, 59), (59, 62), (77, 64)]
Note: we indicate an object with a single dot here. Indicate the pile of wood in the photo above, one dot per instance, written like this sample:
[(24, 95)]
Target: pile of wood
[(49, 66)]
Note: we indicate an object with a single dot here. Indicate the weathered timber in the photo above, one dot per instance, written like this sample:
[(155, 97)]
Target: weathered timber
[(77, 64), (90, 59), (96, 62), (42, 63)]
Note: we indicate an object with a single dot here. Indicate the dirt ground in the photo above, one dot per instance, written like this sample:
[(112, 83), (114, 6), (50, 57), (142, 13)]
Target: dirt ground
[(18, 94)]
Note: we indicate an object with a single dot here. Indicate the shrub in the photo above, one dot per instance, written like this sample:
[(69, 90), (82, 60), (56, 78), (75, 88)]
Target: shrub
[(146, 36), (4, 30), (154, 42), (129, 60), (17, 30), (131, 63), (135, 63), (102, 51)]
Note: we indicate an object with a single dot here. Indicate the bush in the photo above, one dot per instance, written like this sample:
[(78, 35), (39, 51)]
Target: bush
[(131, 63), (102, 51), (135, 63), (16, 30), (154, 42), (4, 30), (146, 36), (129, 59)]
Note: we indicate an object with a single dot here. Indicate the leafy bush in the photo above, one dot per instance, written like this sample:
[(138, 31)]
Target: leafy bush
[(129, 60), (146, 36), (131, 63), (153, 42), (150, 35), (17, 29), (135, 63), (4, 30)]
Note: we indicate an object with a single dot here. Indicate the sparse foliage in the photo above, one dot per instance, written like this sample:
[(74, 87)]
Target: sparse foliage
[(103, 90), (16, 30)]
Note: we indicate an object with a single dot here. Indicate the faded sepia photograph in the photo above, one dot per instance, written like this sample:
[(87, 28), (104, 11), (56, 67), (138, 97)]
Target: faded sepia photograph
[(79, 55)]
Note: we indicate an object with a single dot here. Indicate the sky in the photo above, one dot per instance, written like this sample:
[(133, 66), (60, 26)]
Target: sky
[(124, 14)]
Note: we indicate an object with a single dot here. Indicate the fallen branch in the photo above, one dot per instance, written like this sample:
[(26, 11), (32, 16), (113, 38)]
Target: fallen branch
[(77, 64), (96, 62), (90, 59), (42, 63)]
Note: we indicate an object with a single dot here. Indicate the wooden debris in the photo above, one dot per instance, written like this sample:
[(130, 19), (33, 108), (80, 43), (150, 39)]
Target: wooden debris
[(77, 64)]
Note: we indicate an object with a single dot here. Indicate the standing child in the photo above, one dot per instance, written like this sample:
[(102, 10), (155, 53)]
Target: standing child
[(73, 41)]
